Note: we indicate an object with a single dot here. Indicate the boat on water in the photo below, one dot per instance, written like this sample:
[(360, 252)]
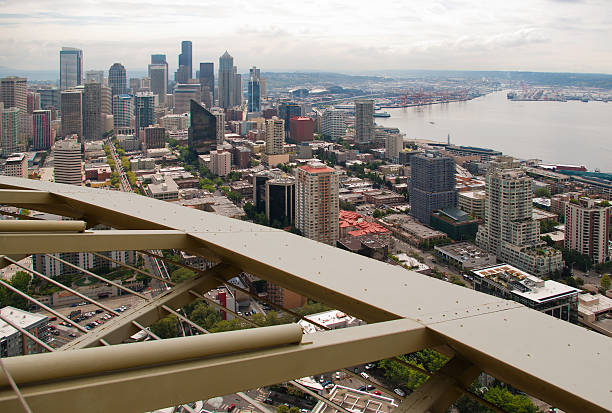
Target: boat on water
[(382, 115)]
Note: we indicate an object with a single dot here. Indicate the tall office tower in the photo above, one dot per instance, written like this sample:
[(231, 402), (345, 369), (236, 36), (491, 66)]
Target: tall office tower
[(220, 115), (394, 144), (226, 81), (117, 79), (275, 136), (159, 81), (135, 84), (33, 102), (587, 228), (333, 123), (432, 185), (123, 109), (181, 75), (316, 204), (220, 162), (254, 90), (67, 162), (144, 105), (159, 59), (202, 134), (509, 230), (13, 92), (10, 131), (92, 111), (185, 58), (71, 67), (183, 94), (16, 165), (154, 137), (207, 84), (94, 76), (287, 110), (364, 121), (107, 100), (42, 138), (49, 98), (72, 112), (237, 88)]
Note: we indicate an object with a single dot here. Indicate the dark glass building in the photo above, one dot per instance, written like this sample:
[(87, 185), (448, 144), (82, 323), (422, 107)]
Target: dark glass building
[(185, 57), (117, 79), (288, 110), (254, 90), (203, 129), (207, 83), (432, 185), (280, 200), (144, 113)]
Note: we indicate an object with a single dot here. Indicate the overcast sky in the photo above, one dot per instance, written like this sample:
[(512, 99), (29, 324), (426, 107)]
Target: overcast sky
[(330, 35)]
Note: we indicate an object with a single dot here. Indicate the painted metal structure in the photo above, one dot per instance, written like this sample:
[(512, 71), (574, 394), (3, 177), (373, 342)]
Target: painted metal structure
[(558, 362)]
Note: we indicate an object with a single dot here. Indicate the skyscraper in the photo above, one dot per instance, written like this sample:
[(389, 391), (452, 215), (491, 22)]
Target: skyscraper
[(316, 210), (117, 80), (144, 110), (123, 110), (202, 134), (10, 131), (185, 58), (159, 81), (42, 138), (183, 94), (207, 84), (33, 102), (67, 162), (432, 185), (49, 98), (159, 59), (364, 121), (275, 136), (237, 88), (394, 144), (333, 123), (287, 110), (587, 228), (226, 81), (13, 92), (220, 115), (92, 111), (72, 112), (509, 230), (71, 67), (155, 137), (254, 90)]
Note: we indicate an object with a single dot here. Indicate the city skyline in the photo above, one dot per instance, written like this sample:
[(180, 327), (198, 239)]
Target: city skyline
[(533, 36)]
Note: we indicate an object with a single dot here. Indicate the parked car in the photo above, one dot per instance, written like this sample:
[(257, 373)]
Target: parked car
[(377, 392), (231, 407), (71, 335), (399, 392), (369, 387), (370, 366), (364, 375), (362, 388)]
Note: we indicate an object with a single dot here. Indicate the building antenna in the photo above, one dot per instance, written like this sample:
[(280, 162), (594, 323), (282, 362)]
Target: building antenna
[(448, 139)]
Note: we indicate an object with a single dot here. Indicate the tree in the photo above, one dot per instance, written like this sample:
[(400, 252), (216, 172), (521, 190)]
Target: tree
[(605, 282), (166, 327), (542, 193), (347, 206), (181, 274), (283, 408), (294, 409), (511, 403)]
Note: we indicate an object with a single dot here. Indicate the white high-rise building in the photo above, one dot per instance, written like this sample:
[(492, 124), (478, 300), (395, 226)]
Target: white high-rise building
[(159, 81), (275, 136), (333, 123), (67, 165), (220, 115), (509, 230), (317, 202), (587, 228), (13, 92), (123, 111), (394, 144), (364, 121), (220, 162)]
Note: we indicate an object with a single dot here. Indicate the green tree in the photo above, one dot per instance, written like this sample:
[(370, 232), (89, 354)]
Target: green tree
[(181, 274), (511, 403), (347, 206), (294, 409), (605, 282), (542, 193), (166, 327), (282, 409)]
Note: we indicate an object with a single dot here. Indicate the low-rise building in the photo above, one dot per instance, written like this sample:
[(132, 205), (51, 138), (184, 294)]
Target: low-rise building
[(16, 165), (473, 203), (454, 222), (332, 319), (356, 401), (413, 264), (595, 312), (163, 188), (410, 230), (12, 341), (465, 255), (546, 296)]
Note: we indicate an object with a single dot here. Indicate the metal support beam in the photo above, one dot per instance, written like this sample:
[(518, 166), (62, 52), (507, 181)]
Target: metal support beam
[(182, 381), (129, 267), (24, 196), (121, 328), (16, 225), (90, 241), (27, 334), (441, 389)]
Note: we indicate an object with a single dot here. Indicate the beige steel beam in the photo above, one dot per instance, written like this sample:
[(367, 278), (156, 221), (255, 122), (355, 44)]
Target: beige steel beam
[(24, 196), (27, 334), (181, 381), (41, 226), (89, 241), (120, 328)]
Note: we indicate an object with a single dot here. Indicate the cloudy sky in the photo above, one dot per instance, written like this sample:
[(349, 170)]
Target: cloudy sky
[(330, 35)]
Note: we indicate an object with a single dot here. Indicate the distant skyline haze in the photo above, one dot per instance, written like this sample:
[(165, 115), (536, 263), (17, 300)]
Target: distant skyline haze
[(529, 35)]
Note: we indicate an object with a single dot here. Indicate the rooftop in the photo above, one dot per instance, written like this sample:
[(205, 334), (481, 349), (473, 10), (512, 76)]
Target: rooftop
[(23, 319), (524, 284)]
